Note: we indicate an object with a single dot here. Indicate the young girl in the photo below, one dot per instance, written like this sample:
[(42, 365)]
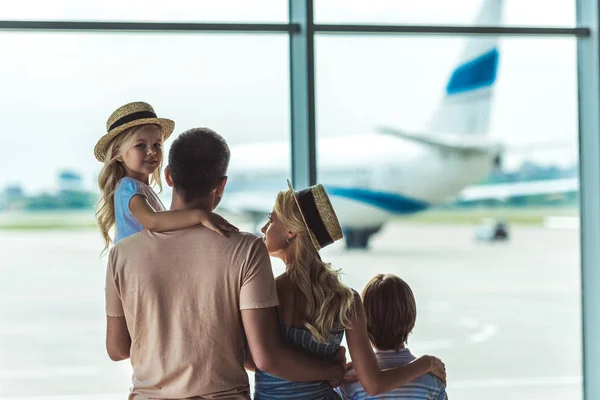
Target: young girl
[(131, 151)]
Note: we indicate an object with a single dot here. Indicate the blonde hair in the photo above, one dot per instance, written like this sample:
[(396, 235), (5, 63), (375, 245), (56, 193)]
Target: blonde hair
[(110, 175), (390, 310), (329, 303)]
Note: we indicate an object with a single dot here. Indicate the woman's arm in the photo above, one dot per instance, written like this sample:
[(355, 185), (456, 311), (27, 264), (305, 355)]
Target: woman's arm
[(372, 378), (162, 221)]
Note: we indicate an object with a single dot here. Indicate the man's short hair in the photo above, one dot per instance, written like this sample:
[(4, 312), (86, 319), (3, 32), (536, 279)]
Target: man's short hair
[(198, 160), (390, 310)]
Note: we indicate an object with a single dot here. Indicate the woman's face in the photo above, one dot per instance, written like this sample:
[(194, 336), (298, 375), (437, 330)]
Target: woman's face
[(276, 235)]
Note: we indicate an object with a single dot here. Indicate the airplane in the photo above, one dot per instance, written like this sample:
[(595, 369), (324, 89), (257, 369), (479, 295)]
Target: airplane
[(391, 172)]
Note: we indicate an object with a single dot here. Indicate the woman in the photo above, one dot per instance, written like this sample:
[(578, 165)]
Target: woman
[(315, 307)]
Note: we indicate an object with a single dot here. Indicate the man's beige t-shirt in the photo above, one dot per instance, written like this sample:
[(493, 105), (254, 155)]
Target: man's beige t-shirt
[(181, 293)]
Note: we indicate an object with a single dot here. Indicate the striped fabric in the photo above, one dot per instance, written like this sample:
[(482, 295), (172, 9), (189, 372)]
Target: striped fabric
[(267, 386), (426, 387)]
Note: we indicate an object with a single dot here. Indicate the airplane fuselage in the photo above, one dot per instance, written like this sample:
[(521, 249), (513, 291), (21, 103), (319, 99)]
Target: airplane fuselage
[(369, 178)]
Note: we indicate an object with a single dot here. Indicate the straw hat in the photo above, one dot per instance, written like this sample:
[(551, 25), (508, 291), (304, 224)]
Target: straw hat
[(318, 215), (127, 116)]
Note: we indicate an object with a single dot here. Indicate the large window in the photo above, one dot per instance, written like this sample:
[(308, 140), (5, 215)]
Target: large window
[(433, 149), (408, 128), (58, 90)]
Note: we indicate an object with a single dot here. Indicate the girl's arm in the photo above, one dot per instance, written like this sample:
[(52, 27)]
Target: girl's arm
[(161, 221), (374, 380)]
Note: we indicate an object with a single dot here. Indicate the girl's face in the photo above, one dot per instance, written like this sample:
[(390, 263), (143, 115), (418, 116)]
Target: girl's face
[(145, 154), (276, 235)]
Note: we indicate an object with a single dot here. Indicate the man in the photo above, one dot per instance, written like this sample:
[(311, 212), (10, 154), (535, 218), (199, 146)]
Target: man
[(184, 304), (391, 313)]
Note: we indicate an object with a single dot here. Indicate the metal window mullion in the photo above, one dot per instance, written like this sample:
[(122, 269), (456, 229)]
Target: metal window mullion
[(449, 30), (130, 26), (589, 153), (302, 92)]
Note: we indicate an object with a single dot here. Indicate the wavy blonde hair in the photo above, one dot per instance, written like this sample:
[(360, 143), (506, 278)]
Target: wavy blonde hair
[(110, 175), (329, 303)]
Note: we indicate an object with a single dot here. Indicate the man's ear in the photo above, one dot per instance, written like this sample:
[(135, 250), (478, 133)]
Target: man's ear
[(168, 176), (221, 186)]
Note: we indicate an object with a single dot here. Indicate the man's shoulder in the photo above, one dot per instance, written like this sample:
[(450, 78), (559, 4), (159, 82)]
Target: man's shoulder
[(144, 236), (234, 239), (245, 237), (129, 243)]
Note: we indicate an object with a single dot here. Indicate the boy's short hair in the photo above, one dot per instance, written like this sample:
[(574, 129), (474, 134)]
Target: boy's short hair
[(198, 160), (390, 310)]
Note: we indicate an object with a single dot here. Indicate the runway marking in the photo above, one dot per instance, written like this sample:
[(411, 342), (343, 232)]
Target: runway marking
[(439, 312)]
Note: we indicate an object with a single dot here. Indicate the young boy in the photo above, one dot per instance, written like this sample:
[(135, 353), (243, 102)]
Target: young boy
[(391, 312)]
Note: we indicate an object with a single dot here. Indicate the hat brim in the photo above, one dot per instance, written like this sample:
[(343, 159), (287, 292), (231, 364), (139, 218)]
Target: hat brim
[(312, 236), (166, 125)]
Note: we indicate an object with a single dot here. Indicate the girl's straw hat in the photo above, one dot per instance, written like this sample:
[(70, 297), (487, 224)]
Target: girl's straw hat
[(127, 116)]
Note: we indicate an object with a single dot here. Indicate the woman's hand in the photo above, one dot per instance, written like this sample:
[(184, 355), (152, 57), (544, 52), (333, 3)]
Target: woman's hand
[(437, 367), (350, 376), (340, 358)]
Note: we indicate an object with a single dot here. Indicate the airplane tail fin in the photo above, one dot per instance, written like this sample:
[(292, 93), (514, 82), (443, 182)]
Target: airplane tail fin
[(466, 106)]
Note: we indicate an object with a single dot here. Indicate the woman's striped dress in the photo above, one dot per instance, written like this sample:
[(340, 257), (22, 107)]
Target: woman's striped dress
[(269, 387)]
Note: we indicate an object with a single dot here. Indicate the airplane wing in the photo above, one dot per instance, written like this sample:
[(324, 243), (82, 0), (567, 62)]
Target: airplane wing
[(504, 191), (447, 141), (480, 143)]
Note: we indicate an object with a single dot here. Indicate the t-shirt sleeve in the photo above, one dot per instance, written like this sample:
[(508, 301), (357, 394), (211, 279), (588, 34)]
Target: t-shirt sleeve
[(114, 306), (126, 190), (258, 288)]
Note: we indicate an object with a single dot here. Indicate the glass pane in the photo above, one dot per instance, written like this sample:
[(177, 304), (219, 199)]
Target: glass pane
[(59, 89), (433, 151), (440, 12), (148, 11)]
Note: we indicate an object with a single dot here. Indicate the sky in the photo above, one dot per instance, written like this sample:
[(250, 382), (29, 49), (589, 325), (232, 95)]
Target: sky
[(58, 88)]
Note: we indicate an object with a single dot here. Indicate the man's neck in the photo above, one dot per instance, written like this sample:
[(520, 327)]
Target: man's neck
[(203, 203)]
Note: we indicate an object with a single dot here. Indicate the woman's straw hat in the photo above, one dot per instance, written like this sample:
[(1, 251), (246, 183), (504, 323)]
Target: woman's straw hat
[(127, 116), (318, 215)]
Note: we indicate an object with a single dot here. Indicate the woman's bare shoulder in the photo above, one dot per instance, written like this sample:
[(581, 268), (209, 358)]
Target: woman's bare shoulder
[(284, 285)]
